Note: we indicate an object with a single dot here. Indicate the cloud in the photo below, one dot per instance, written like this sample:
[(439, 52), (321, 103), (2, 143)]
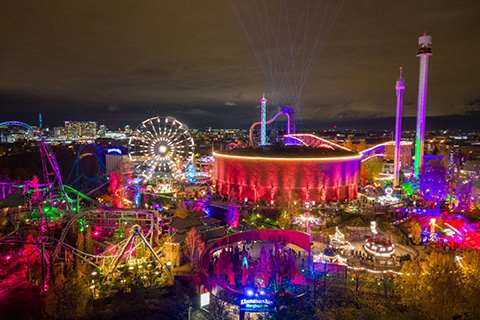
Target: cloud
[(473, 107), (194, 111), (351, 110), (113, 107), (230, 103)]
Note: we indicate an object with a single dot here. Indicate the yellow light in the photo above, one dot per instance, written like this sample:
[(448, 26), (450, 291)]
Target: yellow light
[(330, 143), (389, 143), (287, 159)]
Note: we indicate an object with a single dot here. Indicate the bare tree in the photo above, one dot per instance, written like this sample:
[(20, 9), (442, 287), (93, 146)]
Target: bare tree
[(193, 246)]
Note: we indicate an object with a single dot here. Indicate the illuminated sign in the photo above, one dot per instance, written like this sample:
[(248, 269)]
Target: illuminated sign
[(255, 305), (255, 301), (204, 299), (114, 150)]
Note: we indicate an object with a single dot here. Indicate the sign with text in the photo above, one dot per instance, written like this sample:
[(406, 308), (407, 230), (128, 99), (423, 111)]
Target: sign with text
[(256, 305)]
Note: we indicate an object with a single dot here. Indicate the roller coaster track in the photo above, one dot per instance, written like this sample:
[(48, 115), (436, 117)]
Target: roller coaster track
[(83, 213)]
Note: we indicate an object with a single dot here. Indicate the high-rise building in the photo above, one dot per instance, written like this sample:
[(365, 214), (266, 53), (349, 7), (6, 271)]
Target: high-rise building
[(81, 129), (103, 130), (59, 132)]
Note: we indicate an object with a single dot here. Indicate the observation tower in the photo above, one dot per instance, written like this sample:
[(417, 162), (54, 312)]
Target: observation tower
[(263, 120), (424, 51), (400, 85)]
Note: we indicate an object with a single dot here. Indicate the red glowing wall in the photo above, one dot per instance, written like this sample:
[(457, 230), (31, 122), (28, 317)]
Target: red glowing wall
[(311, 180)]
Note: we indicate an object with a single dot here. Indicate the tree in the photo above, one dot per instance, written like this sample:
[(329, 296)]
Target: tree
[(288, 205), (471, 280), (415, 229), (89, 241), (348, 143), (432, 180), (181, 211), (262, 202), (218, 307), (67, 298), (370, 170), (171, 251), (432, 286), (467, 186), (80, 241), (193, 246)]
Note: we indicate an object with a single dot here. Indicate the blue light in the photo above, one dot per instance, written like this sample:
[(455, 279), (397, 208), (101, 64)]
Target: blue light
[(250, 292), (262, 292), (208, 211), (114, 150)]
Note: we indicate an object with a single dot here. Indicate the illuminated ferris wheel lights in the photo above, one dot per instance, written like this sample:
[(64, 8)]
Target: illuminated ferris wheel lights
[(161, 144)]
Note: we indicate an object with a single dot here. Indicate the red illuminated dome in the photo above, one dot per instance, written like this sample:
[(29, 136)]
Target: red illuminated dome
[(314, 174)]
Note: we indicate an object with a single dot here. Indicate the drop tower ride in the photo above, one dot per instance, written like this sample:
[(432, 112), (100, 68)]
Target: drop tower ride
[(400, 86), (424, 51)]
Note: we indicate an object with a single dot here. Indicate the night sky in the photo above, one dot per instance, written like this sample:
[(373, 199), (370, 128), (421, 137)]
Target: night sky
[(120, 62)]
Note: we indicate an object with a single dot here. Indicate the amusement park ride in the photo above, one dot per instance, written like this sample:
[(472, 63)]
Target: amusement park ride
[(160, 145), (130, 237)]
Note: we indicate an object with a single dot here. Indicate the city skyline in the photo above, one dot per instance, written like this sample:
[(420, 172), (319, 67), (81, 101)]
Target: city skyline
[(127, 62)]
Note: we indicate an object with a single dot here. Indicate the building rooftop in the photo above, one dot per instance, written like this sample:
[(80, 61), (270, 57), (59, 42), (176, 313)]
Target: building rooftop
[(287, 151)]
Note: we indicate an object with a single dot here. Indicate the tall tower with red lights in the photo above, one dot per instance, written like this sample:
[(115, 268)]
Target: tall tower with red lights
[(424, 51), (400, 86)]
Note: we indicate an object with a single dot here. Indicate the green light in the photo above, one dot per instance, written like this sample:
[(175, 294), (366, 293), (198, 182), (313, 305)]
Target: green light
[(417, 156)]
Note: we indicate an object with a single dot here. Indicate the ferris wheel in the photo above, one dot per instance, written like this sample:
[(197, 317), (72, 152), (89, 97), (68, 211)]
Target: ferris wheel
[(160, 145)]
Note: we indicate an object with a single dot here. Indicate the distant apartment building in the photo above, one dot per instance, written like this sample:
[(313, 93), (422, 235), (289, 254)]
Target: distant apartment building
[(103, 130), (59, 132), (80, 129)]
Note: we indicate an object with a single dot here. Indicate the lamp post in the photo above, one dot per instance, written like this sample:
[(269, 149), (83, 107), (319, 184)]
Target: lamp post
[(307, 216)]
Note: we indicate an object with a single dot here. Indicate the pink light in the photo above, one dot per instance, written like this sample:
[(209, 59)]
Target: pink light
[(9, 257)]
